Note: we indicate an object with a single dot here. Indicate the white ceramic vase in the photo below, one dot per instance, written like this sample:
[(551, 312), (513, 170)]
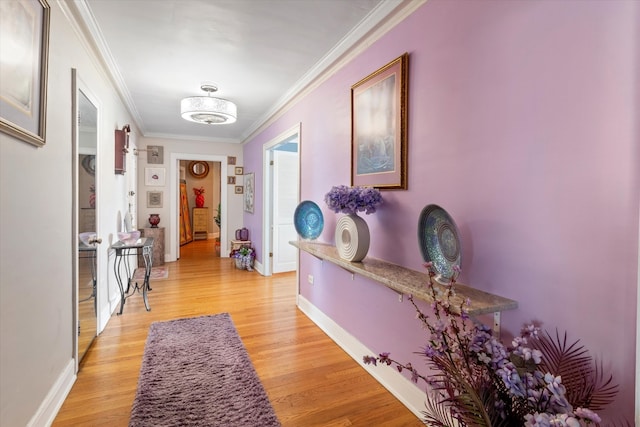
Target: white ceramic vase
[(352, 238)]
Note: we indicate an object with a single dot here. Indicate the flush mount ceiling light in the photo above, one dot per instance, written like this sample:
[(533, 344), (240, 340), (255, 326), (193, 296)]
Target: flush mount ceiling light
[(208, 109)]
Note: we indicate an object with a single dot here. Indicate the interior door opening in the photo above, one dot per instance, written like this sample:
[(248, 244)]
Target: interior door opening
[(174, 200), (281, 197)]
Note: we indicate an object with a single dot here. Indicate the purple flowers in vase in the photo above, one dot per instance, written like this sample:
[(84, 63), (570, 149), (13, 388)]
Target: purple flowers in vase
[(351, 200)]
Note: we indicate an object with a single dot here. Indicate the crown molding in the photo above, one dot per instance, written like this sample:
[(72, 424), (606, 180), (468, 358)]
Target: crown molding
[(385, 16), (85, 24)]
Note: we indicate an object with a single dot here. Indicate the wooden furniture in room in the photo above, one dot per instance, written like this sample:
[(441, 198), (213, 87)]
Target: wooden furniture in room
[(200, 223), (186, 232), (237, 244), (157, 256)]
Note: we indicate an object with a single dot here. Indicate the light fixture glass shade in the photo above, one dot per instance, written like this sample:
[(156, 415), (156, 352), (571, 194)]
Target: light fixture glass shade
[(208, 110)]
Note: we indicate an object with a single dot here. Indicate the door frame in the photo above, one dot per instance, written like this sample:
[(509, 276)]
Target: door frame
[(78, 85), (267, 186), (174, 184)]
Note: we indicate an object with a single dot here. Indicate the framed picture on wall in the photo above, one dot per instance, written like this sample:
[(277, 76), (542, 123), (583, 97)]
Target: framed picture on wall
[(231, 180), (238, 189), (154, 199), (231, 160), (239, 170), (249, 185), (154, 177), (23, 93), (379, 127), (155, 154)]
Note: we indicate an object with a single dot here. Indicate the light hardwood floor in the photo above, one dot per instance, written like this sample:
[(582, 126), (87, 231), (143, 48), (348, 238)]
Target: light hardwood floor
[(309, 379)]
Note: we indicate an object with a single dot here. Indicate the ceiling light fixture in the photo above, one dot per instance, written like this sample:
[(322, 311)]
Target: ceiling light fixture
[(208, 109)]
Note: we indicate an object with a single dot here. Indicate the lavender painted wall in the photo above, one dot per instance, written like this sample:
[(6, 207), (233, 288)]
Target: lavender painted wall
[(524, 125)]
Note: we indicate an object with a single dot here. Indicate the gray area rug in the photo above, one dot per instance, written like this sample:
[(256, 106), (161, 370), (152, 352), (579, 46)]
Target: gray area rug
[(196, 372)]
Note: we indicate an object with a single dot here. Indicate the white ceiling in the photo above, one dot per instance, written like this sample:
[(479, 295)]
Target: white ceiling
[(260, 53)]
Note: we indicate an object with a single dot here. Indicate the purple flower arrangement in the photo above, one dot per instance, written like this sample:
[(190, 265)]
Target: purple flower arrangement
[(244, 257), (540, 380), (351, 200)]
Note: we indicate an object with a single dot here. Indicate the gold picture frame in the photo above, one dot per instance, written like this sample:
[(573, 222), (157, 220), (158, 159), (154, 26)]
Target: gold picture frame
[(23, 80), (379, 109)]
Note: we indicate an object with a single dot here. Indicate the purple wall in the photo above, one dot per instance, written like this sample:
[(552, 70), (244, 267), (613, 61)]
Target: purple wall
[(524, 125)]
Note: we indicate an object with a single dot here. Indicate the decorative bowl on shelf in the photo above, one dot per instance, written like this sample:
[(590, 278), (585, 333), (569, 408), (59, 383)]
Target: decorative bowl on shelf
[(128, 236), (308, 220), (439, 241), (86, 237)]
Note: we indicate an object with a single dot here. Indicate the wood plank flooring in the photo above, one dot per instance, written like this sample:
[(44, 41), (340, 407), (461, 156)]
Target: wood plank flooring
[(309, 379)]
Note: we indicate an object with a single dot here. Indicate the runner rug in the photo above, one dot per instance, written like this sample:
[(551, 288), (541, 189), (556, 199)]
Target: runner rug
[(196, 372)]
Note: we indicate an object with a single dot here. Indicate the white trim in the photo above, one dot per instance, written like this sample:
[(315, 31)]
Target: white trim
[(403, 389), (52, 403), (208, 139), (361, 37), (108, 62), (173, 180), (637, 414), (267, 174)]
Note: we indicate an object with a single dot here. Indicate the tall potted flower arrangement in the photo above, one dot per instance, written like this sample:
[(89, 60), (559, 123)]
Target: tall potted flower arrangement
[(541, 379), (352, 232)]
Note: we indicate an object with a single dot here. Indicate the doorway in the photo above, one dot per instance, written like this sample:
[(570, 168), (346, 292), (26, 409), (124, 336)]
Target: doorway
[(85, 189), (281, 157), (174, 206)]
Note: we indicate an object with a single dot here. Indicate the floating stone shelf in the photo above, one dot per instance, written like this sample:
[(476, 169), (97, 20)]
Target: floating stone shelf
[(411, 282)]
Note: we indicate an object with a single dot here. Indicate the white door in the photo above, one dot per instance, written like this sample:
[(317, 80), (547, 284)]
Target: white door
[(285, 200)]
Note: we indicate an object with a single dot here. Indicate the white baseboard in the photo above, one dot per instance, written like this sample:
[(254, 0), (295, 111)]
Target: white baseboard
[(258, 267), (403, 389), (51, 404)]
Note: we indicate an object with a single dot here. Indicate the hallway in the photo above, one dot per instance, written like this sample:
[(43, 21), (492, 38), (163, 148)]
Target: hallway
[(309, 379)]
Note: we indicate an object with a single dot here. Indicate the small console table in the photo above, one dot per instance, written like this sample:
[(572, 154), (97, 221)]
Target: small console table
[(410, 282), (124, 249)]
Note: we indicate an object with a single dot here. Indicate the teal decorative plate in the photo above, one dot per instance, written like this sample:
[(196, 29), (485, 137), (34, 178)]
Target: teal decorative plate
[(308, 220), (439, 241)]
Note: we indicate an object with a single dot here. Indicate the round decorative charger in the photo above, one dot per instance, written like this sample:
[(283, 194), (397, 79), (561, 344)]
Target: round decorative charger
[(308, 220), (439, 241)]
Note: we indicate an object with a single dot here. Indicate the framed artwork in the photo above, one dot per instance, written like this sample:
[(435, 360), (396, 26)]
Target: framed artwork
[(231, 160), (239, 189), (239, 170), (155, 154), (154, 199), (154, 177), (231, 180), (379, 127), (249, 185), (23, 71)]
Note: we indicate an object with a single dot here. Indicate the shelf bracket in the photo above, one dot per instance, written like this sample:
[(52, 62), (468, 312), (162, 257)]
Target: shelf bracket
[(496, 324)]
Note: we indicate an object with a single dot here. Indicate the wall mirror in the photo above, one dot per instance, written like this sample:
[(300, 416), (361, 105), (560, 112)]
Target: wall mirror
[(85, 191), (199, 169)]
